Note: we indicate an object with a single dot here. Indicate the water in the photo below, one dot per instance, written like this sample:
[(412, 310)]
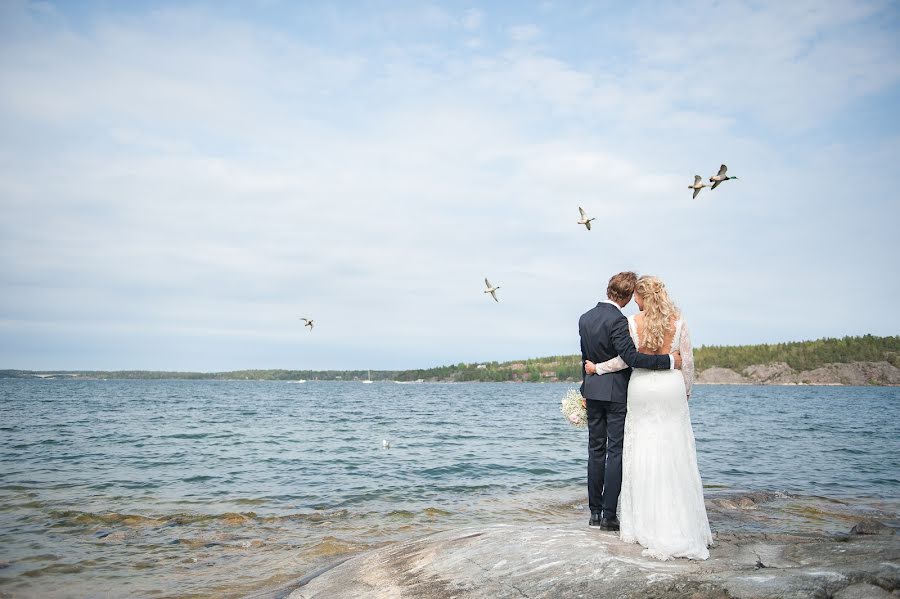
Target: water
[(221, 488)]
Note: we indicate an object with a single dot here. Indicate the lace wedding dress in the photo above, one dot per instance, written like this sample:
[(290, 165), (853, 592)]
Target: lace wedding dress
[(662, 504)]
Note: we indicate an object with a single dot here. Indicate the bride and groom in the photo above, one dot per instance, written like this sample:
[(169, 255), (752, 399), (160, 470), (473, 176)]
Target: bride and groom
[(644, 363)]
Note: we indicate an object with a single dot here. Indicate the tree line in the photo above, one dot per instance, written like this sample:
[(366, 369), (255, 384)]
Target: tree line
[(800, 355)]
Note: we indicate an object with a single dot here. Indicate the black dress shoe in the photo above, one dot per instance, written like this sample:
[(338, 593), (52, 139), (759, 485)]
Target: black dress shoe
[(609, 524), (595, 519)]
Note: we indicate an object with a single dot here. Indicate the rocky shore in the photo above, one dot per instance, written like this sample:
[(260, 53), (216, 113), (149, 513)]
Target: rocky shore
[(768, 545), (779, 373)]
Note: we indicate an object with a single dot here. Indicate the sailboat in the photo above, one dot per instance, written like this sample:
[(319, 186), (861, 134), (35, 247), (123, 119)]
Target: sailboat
[(368, 380)]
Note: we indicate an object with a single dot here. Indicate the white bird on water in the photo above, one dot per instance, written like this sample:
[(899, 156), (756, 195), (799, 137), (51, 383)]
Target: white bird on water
[(385, 444), (720, 177), (308, 323), (491, 289), (698, 185), (584, 219)]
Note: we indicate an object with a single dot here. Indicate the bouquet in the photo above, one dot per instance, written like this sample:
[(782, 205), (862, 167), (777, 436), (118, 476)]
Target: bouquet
[(572, 407)]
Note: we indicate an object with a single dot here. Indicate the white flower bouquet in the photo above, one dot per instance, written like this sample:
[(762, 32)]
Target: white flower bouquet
[(572, 407)]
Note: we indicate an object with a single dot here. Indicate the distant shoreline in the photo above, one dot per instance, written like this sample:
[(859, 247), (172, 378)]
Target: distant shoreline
[(863, 360), (889, 379)]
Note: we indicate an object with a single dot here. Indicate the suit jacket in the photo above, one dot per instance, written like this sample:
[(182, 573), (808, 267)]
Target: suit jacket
[(604, 335)]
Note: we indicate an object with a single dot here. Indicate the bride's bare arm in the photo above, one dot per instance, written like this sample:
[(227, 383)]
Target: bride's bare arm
[(614, 365)]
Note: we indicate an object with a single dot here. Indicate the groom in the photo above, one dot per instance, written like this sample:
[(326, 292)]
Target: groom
[(604, 335)]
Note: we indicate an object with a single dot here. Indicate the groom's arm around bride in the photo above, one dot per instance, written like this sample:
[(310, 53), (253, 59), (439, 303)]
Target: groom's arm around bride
[(604, 335)]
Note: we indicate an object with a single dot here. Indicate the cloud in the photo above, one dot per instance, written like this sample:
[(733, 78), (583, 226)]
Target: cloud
[(524, 33), (180, 186), (472, 19)]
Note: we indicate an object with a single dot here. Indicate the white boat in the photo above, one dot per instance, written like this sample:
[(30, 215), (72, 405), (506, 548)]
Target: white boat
[(368, 380), (298, 381)]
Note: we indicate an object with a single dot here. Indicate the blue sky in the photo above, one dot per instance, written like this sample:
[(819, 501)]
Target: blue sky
[(180, 182)]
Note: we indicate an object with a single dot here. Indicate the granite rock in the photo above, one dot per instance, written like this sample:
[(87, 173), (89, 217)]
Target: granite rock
[(570, 561), (870, 526)]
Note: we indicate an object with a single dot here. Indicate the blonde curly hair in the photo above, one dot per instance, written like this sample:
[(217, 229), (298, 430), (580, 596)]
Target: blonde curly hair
[(658, 311)]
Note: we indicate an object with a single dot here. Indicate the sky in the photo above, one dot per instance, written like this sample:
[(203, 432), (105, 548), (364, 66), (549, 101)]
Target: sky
[(181, 182)]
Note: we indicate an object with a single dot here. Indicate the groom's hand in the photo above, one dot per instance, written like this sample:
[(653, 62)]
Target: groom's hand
[(677, 356)]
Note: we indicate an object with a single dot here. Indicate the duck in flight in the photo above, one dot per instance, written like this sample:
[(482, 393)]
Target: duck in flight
[(720, 177), (698, 185), (491, 289), (307, 322), (584, 219)]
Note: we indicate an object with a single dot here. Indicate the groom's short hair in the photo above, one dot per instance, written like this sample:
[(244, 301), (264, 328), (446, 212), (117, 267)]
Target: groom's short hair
[(621, 287)]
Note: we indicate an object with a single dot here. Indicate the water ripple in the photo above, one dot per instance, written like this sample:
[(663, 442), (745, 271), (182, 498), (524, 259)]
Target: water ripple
[(198, 483)]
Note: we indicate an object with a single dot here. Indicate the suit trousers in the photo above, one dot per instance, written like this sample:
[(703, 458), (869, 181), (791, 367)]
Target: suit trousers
[(606, 435)]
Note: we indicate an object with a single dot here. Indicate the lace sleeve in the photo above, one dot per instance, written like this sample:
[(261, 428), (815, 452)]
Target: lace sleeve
[(614, 365), (687, 358)]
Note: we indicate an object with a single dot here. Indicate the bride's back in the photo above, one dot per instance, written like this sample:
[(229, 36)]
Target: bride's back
[(667, 340)]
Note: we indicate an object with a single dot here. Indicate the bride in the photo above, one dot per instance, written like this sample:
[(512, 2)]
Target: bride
[(662, 496)]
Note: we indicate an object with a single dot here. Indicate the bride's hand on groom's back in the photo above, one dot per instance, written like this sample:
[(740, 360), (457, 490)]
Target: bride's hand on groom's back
[(590, 367)]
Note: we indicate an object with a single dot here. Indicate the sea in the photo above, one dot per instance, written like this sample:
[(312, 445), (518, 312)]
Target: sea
[(173, 488)]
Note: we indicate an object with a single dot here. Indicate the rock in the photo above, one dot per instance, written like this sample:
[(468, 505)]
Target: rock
[(870, 526), (721, 376), (743, 501), (861, 591), (571, 560), (780, 373), (747, 504), (763, 373), (235, 518), (112, 537), (855, 373)]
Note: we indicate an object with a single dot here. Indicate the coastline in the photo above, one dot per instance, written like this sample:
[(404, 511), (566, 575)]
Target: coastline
[(850, 374)]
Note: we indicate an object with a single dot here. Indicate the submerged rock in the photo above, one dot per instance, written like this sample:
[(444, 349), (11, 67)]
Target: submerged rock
[(112, 537), (870, 526)]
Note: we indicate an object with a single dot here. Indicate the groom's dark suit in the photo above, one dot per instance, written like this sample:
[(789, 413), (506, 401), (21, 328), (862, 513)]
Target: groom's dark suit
[(604, 335)]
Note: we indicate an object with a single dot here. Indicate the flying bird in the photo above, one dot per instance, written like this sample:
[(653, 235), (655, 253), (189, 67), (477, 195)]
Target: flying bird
[(720, 177), (584, 219), (307, 322), (491, 289), (697, 186)]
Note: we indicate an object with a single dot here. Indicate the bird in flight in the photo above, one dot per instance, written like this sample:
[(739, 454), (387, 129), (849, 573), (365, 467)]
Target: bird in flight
[(698, 185), (584, 219), (491, 289), (720, 177), (307, 322)]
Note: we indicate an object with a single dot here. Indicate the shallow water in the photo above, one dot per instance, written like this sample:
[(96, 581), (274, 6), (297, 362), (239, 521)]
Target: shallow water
[(220, 488)]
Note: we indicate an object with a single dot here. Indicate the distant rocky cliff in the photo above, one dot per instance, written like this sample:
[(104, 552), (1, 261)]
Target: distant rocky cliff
[(779, 373)]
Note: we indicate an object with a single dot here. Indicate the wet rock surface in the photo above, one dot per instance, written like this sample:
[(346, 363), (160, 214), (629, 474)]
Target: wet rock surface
[(569, 560), (871, 526)]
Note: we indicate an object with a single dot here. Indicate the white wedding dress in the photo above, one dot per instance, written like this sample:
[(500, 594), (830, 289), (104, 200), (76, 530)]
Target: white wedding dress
[(662, 504)]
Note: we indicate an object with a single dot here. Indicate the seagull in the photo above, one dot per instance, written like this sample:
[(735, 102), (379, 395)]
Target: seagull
[(385, 444), (716, 179), (697, 186), (584, 219), (491, 289), (308, 323)]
